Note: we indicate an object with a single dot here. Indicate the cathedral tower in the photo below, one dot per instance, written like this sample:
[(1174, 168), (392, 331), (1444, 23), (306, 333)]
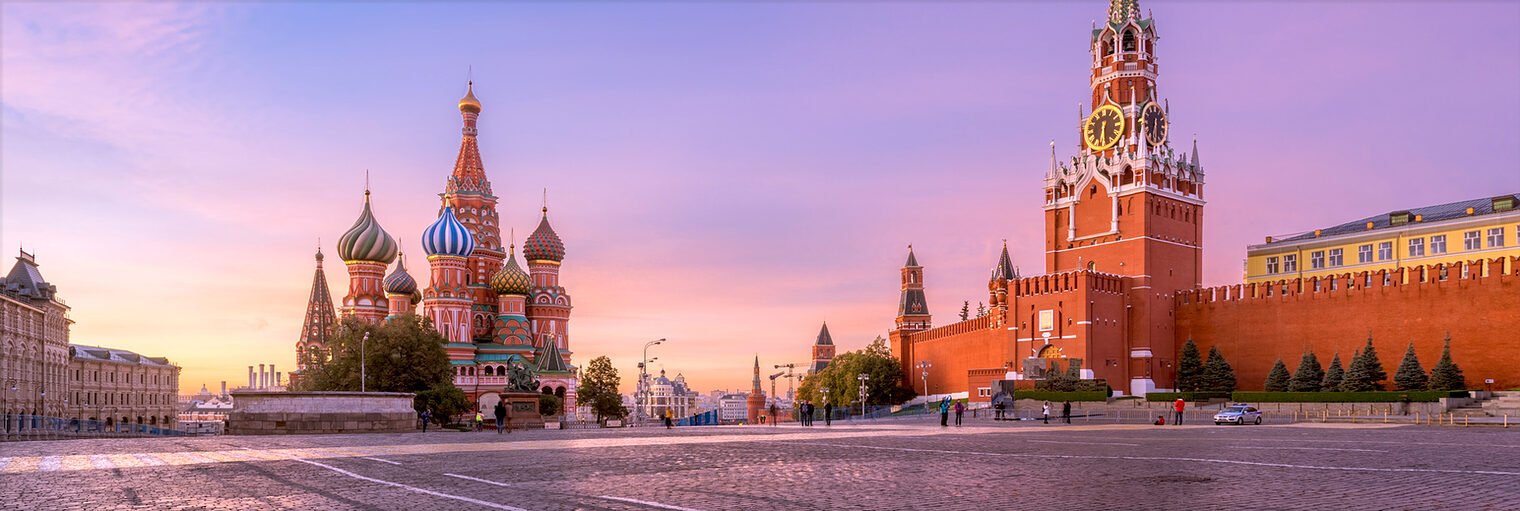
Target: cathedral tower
[(401, 289), (756, 399), (366, 249), (1128, 203), (316, 331), (549, 304), (468, 192), (447, 300), (823, 350)]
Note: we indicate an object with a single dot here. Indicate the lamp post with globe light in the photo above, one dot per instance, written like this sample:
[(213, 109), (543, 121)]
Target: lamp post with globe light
[(863, 377)]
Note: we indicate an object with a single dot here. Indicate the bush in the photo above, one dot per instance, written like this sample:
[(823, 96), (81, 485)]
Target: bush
[(1422, 396), (1056, 397), (1167, 397), (548, 404)]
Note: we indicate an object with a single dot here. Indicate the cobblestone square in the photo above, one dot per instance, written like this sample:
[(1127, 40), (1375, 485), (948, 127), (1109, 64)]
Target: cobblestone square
[(906, 465)]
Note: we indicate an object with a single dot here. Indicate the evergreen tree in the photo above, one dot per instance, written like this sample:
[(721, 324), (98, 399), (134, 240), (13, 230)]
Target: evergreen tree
[(1355, 379), (981, 310), (1410, 376), (1375, 372), (1277, 380), (1217, 376), (1446, 375), (966, 310), (1189, 367), (1308, 376), (1333, 376)]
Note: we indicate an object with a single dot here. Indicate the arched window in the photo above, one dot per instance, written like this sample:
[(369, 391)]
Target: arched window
[(1129, 40)]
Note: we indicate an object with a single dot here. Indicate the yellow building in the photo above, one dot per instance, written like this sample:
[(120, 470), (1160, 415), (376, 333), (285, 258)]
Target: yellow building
[(1445, 234)]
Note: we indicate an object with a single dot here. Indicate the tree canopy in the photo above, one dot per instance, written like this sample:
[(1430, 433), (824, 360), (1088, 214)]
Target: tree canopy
[(1410, 375), (1217, 376), (403, 354), (1189, 367), (599, 389), (1366, 371), (1333, 376), (885, 386), (1446, 375), (1277, 379)]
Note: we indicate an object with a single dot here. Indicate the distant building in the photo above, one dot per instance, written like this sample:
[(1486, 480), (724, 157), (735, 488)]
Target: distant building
[(670, 395), (755, 402), (733, 407), (823, 350)]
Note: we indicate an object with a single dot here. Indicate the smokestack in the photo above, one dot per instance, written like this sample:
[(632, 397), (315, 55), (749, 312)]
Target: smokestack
[(277, 379), (224, 387), (263, 377), (250, 378), (274, 377)]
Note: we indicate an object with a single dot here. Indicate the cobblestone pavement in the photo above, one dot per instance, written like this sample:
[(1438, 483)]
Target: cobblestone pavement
[(902, 465)]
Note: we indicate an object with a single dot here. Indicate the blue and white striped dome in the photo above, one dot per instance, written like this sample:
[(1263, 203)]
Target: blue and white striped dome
[(448, 236)]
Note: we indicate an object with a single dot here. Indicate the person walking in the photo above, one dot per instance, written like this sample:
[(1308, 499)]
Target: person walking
[(1045, 412), (1178, 406), (811, 410), (997, 411), (828, 413), (480, 420), (1066, 411), (960, 408), (944, 412), (427, 416), (775, 413), (669, 416), (501, 416)]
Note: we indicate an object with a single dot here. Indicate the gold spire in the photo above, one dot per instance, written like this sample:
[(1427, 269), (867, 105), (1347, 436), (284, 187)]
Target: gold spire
[(469, 103)]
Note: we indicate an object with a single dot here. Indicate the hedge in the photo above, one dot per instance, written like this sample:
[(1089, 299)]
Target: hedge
[(1185, 396), (1055, 397), (1421, 396)]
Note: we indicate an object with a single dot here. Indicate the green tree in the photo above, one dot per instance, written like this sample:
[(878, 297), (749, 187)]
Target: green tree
[(884, 386), (1366, 371), (1334, 376), (599, 388), (1217, 376), (1446, 375), (1308, 376), (548, 404), (403, 354), (1410, 375), (445, 401), (1189, 367), (965, 310), (1277, 379), (981, 310)]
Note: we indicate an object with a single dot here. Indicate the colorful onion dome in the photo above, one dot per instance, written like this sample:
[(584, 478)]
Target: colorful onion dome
[(366, 241), (399, 282), (544, 245), (469, 103), (511, 279), (447, 236)]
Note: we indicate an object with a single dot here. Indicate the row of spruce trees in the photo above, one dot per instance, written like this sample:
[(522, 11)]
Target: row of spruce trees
[(1364, 374)]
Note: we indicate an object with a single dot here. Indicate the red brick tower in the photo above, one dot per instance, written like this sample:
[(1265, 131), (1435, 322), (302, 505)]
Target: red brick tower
[(366, 249), (1128, 204), (469, 193), (912, 313), (756, 400), (823, 350), (312, 347)]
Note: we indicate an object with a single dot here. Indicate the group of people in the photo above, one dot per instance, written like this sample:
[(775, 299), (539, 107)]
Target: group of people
[(944, 412)]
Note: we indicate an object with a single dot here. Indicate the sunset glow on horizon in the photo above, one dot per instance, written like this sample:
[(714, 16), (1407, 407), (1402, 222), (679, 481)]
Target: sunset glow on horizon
[(724, 176)]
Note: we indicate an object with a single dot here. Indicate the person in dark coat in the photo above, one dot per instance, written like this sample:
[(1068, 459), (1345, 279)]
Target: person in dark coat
[(1066, 411), (501, 416), (960, 408), (944, 412), (807, 413), (427, 415), (828, 414)]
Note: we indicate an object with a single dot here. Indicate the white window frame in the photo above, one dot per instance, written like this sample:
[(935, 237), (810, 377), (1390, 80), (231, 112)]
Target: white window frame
[(1472, 240), (1337, 258), (1272, 266), (1438, 244), (1385, 250), (1416, 247), (1495, 237), (1364, 253), (1290, 263), (1317, 259)]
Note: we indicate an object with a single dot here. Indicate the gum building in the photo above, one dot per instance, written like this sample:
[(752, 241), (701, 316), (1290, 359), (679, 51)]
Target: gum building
[(1122, 287)]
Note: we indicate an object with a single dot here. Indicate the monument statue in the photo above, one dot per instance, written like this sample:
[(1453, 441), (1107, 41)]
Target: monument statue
[(521, 378)]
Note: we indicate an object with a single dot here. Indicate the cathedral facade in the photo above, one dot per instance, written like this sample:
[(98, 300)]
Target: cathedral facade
[(1123, 251), (492, 312)]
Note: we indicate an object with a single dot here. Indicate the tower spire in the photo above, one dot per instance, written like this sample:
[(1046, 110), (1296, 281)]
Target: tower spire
[(317, 328)]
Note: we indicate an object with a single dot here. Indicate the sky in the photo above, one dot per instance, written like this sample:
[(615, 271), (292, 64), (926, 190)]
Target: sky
[(724, 176)]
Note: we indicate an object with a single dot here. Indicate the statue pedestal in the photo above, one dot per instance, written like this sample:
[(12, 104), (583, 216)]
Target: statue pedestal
[(522, 410)]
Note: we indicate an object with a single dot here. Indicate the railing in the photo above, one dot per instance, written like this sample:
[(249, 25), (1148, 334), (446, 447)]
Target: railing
[(15, 427)]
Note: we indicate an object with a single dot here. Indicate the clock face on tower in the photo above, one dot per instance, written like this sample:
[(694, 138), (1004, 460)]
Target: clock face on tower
[(1103, 128), (1155, 124)]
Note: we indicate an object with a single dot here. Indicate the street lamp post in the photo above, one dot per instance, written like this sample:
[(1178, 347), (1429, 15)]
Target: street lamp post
[(643, 391), (924, 365), (362, 375), (863, 377), (825, 391)]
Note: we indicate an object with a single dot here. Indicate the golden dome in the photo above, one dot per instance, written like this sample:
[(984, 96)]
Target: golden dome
[(469, 103)]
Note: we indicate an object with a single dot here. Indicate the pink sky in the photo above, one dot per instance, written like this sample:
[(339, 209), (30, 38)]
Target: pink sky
[(726, 176)]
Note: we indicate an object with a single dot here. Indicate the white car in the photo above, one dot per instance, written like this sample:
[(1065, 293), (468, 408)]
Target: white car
[(1238, 413)]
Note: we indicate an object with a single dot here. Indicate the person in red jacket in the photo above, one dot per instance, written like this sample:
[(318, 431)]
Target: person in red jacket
[(1178, 420)]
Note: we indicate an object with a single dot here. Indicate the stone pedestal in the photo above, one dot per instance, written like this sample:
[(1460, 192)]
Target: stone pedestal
[(288, 413), (522, 410)]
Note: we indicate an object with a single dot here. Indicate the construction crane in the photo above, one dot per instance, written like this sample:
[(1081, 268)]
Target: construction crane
[(773, 386), (790, 375)]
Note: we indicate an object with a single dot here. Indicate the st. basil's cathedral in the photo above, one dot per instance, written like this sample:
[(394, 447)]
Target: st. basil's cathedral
[(491, 312)]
